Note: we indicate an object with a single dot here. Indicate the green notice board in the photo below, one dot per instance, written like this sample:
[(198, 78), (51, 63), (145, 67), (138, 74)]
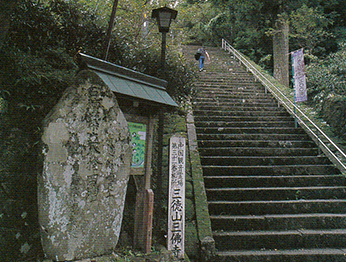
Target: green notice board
[(138, 139)]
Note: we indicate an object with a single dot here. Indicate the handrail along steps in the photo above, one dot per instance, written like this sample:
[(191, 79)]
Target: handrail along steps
[(288, 104)]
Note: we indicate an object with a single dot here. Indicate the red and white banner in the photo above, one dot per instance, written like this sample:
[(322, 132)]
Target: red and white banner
[(299, 75)]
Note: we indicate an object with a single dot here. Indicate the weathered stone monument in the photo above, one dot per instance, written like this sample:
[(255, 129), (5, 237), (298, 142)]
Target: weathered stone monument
[(87, 161)]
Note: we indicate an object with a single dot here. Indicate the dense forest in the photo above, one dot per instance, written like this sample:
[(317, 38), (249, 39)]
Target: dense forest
[(43, 36), (39, 41), (317, 26)]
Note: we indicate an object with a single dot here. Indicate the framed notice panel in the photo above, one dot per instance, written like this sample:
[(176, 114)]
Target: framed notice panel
[(138, 143)]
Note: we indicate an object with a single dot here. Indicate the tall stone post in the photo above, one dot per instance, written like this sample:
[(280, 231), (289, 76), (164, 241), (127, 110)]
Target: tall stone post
[(280, 50)]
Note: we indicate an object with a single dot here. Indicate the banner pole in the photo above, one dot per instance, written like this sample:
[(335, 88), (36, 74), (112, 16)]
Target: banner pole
[(294, 92)]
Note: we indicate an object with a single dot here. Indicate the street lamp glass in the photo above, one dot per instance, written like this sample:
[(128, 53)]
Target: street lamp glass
[(165, 20), (164, 17)]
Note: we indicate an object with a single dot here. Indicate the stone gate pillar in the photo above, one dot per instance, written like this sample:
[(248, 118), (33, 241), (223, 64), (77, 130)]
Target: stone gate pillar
[(281, 49)]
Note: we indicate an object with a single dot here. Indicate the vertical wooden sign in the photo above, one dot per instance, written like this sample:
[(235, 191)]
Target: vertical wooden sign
[(176, 200)]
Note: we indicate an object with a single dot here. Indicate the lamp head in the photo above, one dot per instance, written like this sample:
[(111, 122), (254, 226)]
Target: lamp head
[(164, 17)]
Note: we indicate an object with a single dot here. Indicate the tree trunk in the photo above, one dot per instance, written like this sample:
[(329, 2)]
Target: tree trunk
[(281, 49)]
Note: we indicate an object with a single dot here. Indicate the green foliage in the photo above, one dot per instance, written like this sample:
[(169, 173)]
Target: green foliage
[(32, 83), (246, 24), (308, 29), (37, 26), (37, 65), (218, 28), (37, 60), (316, 25), (100, 8), (327, 88), (198, 21), (329, 74)]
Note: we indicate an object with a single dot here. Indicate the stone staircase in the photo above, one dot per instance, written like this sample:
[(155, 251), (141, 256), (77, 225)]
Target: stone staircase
[(272, 195)]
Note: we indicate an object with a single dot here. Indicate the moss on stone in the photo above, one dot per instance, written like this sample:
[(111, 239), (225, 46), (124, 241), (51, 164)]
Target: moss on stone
[(189, 190), (190, 213), (203, 223), (191, 238)]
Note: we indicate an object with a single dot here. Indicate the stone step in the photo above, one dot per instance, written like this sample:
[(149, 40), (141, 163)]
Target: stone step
[(288, 239), (258, 113), (254, 161), (234, 109), (245, 87), (288, 255), (234, 84), (212, 170), (277, 138), (301, 206), (272, 195), (258, 151), (211, 123), (230, 91), (276, 193), (224, 74), (236, 104), (201, 118), (240, 101), (231, 104), (227, 71), (278, 222), (249, 130), (274, 181), (207, 88), (209, 144), (227, 79)]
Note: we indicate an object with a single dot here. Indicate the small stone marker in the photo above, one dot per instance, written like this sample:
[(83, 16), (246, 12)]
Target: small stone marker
[(87, 158), (176, 201)]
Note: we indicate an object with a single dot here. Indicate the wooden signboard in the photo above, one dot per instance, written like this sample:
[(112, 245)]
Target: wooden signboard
[(176, 201)]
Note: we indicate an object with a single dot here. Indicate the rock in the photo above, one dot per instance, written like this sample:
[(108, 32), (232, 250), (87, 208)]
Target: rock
[(87, 155)]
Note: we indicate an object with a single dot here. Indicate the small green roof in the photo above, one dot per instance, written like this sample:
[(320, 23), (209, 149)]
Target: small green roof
[(128, 82)]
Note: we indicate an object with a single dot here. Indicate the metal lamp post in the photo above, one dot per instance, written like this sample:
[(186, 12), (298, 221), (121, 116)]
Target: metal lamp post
[(164, 17)]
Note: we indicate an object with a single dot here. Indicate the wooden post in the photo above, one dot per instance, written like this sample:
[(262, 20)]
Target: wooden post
[(148, 219), (145, 200), (138, 228), (144, 220), (176, 202), (149, 151), (160, 156)]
